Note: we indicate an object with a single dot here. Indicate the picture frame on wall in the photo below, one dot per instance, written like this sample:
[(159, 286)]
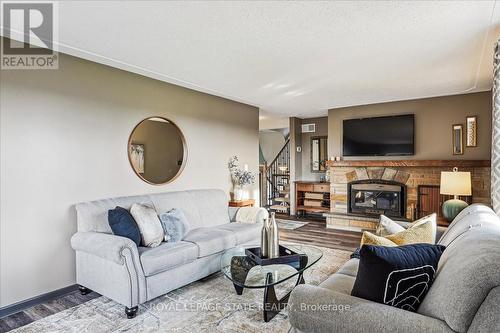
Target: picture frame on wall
[(471, 131), (137, 156), (458, 139)]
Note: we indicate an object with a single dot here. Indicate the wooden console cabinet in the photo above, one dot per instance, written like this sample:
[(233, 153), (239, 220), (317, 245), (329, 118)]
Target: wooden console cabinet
[(312, 197)]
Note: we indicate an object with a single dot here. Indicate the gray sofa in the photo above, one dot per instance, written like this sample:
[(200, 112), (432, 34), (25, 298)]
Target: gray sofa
[(465, 296), (115, 267)]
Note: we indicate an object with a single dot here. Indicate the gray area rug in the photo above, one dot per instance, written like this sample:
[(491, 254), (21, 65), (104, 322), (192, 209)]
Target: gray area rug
[(208, 306), (290, 225)]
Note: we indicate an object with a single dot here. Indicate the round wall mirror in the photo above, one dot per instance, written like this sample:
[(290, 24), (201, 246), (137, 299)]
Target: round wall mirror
[(157, 150)]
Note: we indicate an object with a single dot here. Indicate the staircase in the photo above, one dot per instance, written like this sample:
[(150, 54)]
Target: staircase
[(276, 180)]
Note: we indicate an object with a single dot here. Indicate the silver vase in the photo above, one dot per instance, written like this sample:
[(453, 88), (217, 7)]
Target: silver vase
[(264, 234), (273, 238)]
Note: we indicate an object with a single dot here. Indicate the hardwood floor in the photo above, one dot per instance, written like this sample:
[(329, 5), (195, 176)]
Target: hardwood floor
[(314, 233), (44, 310)]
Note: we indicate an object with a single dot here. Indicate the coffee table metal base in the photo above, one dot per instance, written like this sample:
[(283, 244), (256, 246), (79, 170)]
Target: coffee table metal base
[(273, 305), (241, 265)]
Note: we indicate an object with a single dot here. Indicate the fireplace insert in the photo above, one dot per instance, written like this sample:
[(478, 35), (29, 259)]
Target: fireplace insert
[(375, 197)]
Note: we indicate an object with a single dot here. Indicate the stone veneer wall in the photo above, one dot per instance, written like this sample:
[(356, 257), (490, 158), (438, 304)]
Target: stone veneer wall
[(411, 176)]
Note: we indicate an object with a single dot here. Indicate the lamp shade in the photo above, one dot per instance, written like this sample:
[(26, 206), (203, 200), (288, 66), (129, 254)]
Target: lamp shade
[(455, 183)]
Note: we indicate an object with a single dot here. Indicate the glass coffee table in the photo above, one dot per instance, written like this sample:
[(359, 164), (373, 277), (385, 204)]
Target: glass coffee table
[(245, 273)]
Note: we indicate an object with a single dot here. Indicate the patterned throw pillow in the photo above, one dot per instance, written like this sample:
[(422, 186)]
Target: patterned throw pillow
[(416, 233), (397, 276), (371, 239), (148, 223), (420, 231)]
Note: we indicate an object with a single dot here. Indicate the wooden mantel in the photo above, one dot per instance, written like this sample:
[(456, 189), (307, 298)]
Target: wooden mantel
[(410, 163)]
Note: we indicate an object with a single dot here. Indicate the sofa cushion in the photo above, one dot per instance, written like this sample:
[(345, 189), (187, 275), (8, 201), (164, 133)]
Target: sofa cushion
[(93, 215), (244, 232), (165, 202), (203, 208), (212, 206), (166, 256), (211, 240), (350, 268), (340, 283)]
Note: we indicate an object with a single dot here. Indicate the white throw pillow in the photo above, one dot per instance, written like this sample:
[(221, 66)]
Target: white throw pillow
[(386, 226), (149, 224)]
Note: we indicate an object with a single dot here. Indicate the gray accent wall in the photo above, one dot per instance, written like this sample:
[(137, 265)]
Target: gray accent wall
[(434, 118), (63, 140), (321, 130)]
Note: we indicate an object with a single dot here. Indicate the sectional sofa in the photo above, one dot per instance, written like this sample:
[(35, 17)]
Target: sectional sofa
[(115, 267), (465, 295)]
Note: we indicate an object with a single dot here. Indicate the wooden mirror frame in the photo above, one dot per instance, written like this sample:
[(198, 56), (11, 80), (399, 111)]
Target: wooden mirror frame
[(458, 127), (184, 151)]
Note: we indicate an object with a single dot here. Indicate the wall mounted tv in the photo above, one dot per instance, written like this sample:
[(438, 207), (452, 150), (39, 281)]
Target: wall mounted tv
[(379, 136)]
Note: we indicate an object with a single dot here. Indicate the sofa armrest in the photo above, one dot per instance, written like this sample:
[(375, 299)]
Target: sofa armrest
[(316, 309), (248, 214), (105, 246), (110, 265)]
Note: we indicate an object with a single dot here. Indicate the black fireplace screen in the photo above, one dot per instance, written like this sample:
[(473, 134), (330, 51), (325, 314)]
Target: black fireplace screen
[(376, 198)]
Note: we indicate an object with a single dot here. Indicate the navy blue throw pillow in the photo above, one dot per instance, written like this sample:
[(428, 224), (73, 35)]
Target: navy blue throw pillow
[(355, 254), (123, 224), (398, 276)]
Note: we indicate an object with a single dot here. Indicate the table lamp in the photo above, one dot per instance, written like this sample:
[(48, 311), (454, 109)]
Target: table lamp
[(454, 183)]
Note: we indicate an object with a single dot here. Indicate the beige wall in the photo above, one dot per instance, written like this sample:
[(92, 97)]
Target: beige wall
[(63, 140), (163, 149), (267, 121), (271, 143), (433, 120), (321, 130)]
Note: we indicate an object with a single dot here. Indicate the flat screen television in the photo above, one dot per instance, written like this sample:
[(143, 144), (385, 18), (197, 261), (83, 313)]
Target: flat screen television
[(379, 136)]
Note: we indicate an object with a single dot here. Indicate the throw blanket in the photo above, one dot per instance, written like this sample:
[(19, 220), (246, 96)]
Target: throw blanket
[(247, 214)]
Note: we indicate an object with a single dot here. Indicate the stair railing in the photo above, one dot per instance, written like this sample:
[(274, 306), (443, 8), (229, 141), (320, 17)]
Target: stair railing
[(278, 174)]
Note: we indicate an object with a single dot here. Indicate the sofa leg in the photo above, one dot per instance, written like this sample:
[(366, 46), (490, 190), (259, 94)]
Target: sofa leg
[(131, 312), (84, 290)]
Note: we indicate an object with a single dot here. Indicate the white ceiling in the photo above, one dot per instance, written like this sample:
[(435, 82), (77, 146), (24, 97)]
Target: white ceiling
[(292, 58)]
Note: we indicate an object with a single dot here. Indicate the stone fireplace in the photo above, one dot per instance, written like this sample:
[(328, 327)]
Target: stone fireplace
[(362, 190)]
